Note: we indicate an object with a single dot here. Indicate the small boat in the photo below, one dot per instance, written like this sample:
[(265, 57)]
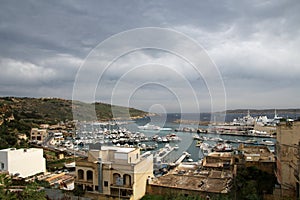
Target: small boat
[(196, 137), (190, 160), (267, 142), (165, 140), (223, 147), (173, 138), (176, 147), (70, 165), (165, 129), (199, 143)]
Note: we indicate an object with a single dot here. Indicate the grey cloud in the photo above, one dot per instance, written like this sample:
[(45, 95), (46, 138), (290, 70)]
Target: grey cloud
[(253, 43)]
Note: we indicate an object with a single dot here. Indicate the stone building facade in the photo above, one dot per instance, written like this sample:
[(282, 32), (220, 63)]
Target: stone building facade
[(288, 159), (114, 172)]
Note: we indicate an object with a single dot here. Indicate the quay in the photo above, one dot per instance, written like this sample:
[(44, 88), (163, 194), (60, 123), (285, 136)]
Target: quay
[(181, 158)]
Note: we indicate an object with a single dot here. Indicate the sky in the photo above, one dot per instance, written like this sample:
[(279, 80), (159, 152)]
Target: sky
[(160, 56)]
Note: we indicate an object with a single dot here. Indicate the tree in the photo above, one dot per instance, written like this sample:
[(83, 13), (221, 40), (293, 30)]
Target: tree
[(5, 183), (30, 192)]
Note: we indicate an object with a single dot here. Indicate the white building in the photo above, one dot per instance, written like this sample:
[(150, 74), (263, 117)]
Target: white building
[(24, 162)]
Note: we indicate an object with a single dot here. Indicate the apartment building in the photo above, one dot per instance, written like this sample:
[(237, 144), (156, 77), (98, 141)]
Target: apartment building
[(114, 173), (38, 135)]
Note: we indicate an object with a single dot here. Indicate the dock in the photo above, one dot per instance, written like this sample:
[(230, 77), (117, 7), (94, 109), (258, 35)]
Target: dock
[(181, 158)]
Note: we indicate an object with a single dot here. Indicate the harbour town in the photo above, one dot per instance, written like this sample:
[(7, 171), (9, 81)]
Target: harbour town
[(133, 158), (149, 100)]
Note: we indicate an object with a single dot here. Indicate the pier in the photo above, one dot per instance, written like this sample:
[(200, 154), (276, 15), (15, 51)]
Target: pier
[(181, 158)]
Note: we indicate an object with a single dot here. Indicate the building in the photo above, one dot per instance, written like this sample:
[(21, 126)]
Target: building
[(38, 135), (257, 156), (62, 181), (288, 160), (219, 160), (22, 162), (22, 136), (191, 179), (57, 138), (114, 172)]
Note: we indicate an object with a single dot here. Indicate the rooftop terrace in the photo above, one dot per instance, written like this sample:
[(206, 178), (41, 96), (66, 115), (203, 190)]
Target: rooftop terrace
[(191, 177)]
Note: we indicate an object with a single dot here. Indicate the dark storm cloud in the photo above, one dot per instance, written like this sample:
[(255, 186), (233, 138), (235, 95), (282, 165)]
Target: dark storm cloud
[(255, 45)]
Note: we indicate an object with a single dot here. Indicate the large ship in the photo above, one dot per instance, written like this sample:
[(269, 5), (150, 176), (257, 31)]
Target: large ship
[(153, 127), (149, 127)]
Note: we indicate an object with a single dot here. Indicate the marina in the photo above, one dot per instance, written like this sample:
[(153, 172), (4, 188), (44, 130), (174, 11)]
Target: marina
[(170, 144)]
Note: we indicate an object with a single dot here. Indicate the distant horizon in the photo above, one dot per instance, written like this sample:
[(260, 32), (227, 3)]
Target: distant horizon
[(231, 109)]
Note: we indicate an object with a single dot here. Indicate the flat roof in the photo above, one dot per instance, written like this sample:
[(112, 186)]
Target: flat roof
[(19, 150), (118, 149), (211, 183)]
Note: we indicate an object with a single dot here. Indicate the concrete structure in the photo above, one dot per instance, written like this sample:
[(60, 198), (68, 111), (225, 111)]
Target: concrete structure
[(191, 179), (257, 156), (57, 138), (114, 172), (288, 158), (38, 135), (22, 136), (63, 181), (218, 160), (22, 162)]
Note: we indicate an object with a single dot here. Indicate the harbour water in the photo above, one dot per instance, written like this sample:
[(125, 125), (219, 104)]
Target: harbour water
[(187, 142)]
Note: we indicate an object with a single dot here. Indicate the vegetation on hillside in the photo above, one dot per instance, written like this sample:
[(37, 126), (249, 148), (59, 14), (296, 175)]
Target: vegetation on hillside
[(175, 196), (9, 131), (251, 183), (19, 115), (29, 191), (53, 110)]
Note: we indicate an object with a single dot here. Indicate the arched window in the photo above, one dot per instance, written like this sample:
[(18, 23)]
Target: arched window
[(117, 179), (127, 179), (80, 174), (89, 175)]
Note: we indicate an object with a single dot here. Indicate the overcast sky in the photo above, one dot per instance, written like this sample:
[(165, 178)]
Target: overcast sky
[(251, 50)]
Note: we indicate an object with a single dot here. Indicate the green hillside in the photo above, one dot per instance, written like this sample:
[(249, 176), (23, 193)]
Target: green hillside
[(53, 110), (19, 115)]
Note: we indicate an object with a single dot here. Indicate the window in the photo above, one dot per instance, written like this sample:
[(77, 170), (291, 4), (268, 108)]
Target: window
[(116, 178), (80, 174), (105, 183), (89, 175), (89, 188), (127, 179), (2, 166)]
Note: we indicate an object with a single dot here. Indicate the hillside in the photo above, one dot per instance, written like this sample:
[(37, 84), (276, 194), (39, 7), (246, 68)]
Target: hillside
[(19, 115), (53, 110)]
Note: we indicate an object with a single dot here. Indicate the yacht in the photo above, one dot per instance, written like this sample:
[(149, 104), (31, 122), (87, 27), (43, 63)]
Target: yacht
[(149, 127)]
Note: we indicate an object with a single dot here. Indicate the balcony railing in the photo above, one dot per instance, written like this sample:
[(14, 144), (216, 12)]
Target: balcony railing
[(127, 187), (122, 193)]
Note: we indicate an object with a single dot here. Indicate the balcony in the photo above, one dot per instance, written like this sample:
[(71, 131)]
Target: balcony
[(119, 191), (127, 187)]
